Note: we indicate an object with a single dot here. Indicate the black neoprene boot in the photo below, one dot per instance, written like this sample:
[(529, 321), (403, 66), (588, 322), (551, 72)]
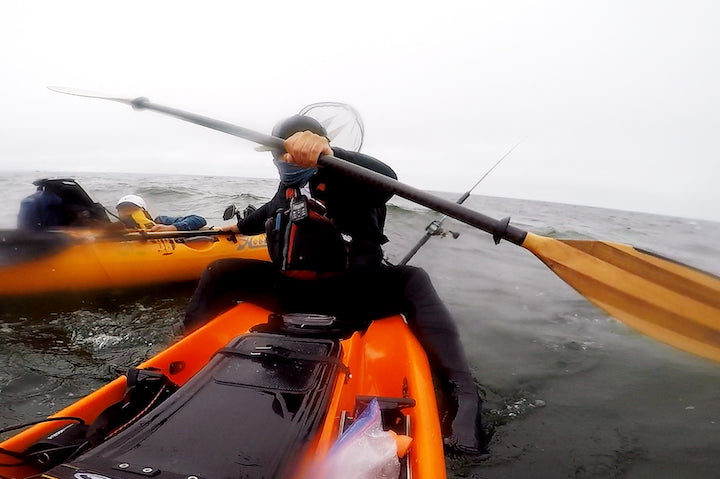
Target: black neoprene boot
[(467, 435), (432, 324)]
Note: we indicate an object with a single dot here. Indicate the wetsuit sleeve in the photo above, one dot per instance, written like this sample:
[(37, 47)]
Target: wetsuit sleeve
[(353, 186), (254, 223), (182, 223)]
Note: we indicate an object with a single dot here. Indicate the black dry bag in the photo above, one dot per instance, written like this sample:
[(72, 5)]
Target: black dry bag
[(59, 202)]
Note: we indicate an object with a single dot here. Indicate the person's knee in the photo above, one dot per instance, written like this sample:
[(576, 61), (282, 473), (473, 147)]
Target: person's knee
[(418, 275), (417, 283), (235, 270), (407, 274), (221, 267)]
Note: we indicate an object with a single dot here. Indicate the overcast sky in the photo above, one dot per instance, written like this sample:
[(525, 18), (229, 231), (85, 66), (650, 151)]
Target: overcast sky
[(617, 101)]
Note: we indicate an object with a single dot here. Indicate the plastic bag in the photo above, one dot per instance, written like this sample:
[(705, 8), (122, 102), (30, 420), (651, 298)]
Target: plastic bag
[(364, 451)]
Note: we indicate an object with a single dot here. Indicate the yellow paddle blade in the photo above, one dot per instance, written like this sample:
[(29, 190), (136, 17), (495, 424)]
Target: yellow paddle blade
[(668, 301)]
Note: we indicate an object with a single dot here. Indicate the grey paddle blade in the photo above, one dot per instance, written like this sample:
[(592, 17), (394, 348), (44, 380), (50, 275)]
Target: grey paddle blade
[(89, 94)]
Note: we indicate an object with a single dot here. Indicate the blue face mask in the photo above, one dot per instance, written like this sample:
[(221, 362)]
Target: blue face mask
[(292, 174)]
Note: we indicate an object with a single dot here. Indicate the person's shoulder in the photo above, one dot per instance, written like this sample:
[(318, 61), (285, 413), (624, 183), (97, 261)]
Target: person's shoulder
[(366, 161), (344, 154)]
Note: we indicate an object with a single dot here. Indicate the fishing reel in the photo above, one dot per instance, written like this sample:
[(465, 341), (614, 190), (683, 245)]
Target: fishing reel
[(435, 229), (232, 210)]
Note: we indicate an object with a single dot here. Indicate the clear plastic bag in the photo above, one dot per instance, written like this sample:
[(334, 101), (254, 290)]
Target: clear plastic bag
[(364, 451)]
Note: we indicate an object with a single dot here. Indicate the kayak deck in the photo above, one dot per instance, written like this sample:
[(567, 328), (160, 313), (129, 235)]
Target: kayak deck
[(385, 361)]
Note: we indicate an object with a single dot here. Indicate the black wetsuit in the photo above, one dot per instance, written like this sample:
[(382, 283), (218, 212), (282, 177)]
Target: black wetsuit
[(368, 290), (356, 209)]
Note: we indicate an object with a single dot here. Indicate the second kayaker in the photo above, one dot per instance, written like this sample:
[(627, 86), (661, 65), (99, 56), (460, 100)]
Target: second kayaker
[(133, 213)]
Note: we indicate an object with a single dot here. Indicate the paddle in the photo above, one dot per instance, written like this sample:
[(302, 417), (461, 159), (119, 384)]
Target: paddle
[(661, 298), (140, 235), (97, 234), (26, 245)]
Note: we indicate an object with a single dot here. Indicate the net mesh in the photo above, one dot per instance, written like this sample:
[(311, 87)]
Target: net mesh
[(342, 122)]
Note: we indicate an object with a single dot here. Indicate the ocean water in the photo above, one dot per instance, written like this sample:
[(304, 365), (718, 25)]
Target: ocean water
[(569, 391)]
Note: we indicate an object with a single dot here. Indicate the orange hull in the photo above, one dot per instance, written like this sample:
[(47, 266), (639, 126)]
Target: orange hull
[(385, 361), (96, 263)]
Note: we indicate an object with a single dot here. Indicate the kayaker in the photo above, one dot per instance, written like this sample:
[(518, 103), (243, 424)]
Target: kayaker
[(133, 213), (367, 290)]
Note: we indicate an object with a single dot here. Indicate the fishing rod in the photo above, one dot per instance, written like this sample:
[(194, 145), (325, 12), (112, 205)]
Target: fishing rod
[(435, 226)]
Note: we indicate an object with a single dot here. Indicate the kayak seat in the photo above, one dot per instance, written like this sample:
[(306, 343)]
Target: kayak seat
[(309, 325), (246, 414)]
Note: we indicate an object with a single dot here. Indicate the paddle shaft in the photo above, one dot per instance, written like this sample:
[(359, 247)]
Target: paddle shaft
[(662, 298), (136, 235), (500, 229), (139, 235), (178, 234)]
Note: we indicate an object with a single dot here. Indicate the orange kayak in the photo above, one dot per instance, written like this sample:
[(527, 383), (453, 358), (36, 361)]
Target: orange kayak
[(78, 260), (226, 401)]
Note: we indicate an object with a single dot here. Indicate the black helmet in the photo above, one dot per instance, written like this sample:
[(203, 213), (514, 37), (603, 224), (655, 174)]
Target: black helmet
[(285, 128)]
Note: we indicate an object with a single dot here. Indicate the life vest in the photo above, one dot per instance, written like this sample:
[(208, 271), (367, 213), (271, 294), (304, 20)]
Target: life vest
[(139, 219), (302, 241)]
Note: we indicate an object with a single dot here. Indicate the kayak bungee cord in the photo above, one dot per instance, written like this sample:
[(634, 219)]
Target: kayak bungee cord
[(669, 301), (435, 226), (79, 420)]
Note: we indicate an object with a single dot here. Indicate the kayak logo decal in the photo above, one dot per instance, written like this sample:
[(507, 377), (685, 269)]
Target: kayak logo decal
[(89, 475), (165, 246), (252, 242)]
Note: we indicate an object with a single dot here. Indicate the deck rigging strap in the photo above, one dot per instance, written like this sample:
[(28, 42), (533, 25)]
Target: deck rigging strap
[(280, 352)]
